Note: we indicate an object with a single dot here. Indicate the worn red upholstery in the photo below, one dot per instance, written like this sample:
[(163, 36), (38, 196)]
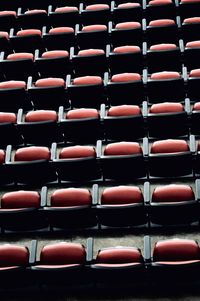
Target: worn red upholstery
[(82, 114), (126, 49), (50, 82), (41, 115), (29, 32), (12, 84), (88, 80), (173, 193), (166, 107), (70, 197), (13, 255), (128, 25), (20, 199), (125, 77), (8, 117), (55, 54), (124, 110), (169, 146), (77, 151), (121, 195), (32, 153), (122, 148)]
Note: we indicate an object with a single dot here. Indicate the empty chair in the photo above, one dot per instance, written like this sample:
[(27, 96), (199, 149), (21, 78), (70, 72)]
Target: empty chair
[(81, 125), (40, 127), (18, 66), (195, 119), (170, 158), (13, 96), (161, 9), (54, 63), (61, 265), (173, 204), (93, 36), (162, 31), (189, 8), (121, 206), (167, 120), (8, 129), (21, 211), (96, 13), (38, 17), (48, 93), (168, 55), (7, 19), (71, 208), (90, 62), (126, 12), (59, 38), (127, 33), (193, 84), (191, 54), (125, 88), (86, 91), (124, 122), (31, 165), (123, 160), (125, 59), (165, 86), (77, 163), (27, 40), (64, 16), (190, 29)]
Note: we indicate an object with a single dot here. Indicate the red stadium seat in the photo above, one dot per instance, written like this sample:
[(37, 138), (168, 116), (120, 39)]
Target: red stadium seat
[(38, 17), (59, 38), (27, 40)]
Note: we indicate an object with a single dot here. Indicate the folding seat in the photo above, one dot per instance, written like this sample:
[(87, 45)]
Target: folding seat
[(193, 85), (168, 56), (95, 14), (7, 20), (80, 125), (5, 42), (127, 33), (61, 265), (27, 40), (123, 122), (17, 66), (162, 31), (71, 208), (64, 16), (13, 96), (86, 91), (176, 260), (125, 59), (59, 38), (21, 210), (174, 204), (190, 29), (189, 8), (191, 55), (119, 267), (38, 17), (90, 62), (195, 119), (164, 9), (8, 129), (54, 63), (122, 160), (127, 12), (125, 88), (48, 93), (121, 206), (92, 36), (77, 163), (170, 158), (167, 119), (165, 86), (30, 165), (39, 127)]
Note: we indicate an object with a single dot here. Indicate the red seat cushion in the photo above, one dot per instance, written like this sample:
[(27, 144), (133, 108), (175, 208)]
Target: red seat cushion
[(82, 114), (96, 27), (77, 151), (176, 250), (13, 255), (165, 75), (126, 49), (20, 56), (87, 52), (163, 47), (8, 117), (125, 77), (50, 82), (122, 148), (166, 107), (196, 106), (12, 84), (124, 110), (120, 195), (192, 20), (41, 115), (194, 73), (162, 22), (55, 54), (2, 156), (20, 199), (29, 32), (173, 193), (97, 7), (8, 13), (169, 146), (119, 255), (35, 11), (63, 253), (61, 30), (88, 80), (193, 44), (4, 34), (66, 9), (189, 1), (70, 197), (32, 153), (160, 2), (128, 5), (128, 25)]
